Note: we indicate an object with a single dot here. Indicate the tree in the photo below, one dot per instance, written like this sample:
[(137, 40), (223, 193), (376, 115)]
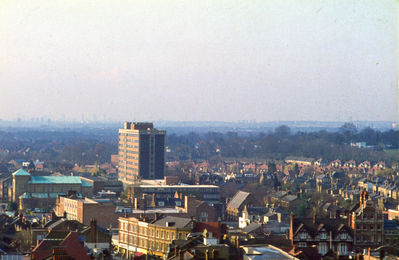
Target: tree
[(95, 170), (348, 130), (282, 131), (295, 169), (271, 168), (12, 206)]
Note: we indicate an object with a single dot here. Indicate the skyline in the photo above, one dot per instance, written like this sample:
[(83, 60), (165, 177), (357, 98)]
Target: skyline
[(199, 61)]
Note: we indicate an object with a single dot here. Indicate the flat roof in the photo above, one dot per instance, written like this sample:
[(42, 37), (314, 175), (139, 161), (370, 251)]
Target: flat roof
[(55, 180), (156, 210), (178, 186)]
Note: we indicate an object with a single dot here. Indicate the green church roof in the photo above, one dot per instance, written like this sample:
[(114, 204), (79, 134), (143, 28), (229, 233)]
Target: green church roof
[(55, 180), (21, 172), (86, 184)]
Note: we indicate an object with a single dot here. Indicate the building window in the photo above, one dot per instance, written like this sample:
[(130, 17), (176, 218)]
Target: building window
[(323, 248), (302, 235), (204, 216), (302, 244), (343, 249), (323, 235)]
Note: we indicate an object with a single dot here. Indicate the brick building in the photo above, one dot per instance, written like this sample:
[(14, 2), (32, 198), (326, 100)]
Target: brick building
[(199, 210), (368, 223), (237, 204), (85, 209), (151, 236), (5, 187), (326, 234)]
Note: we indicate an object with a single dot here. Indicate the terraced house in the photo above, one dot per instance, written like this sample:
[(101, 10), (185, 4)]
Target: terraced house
[(138, 236), (326, 234)]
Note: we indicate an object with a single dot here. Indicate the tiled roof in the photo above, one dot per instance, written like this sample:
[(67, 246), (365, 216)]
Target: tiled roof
[(330, 224), (177, 222), (252, 227), (238, 199), (280, 194), (289, 198), (390, 225), (257, 210), (214, 227)]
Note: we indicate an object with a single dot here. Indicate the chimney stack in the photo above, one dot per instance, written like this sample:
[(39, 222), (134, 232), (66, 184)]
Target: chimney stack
[(93, 230), (291, 233)]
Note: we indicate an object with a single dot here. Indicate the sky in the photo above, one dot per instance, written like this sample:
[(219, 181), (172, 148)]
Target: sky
[(207, 60)]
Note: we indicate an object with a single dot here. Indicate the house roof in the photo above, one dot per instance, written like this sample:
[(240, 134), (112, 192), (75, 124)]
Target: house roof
[(280, 194), (302, 159), (238, 199), (289, 198), (56, 180), (214, 227), (257, 210), (21, 172), (390, 225), (252, 227), (330, 224), (177, 221)]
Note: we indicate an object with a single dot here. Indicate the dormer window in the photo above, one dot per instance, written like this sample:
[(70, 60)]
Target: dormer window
[(302, 244), (303, 235), (323, 235)]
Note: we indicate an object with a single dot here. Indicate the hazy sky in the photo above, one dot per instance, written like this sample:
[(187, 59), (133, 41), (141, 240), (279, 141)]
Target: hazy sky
[(199, 60)]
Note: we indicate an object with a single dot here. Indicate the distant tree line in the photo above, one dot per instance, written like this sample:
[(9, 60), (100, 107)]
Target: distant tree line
[(281, 143), (62, 148), (83, 146)]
